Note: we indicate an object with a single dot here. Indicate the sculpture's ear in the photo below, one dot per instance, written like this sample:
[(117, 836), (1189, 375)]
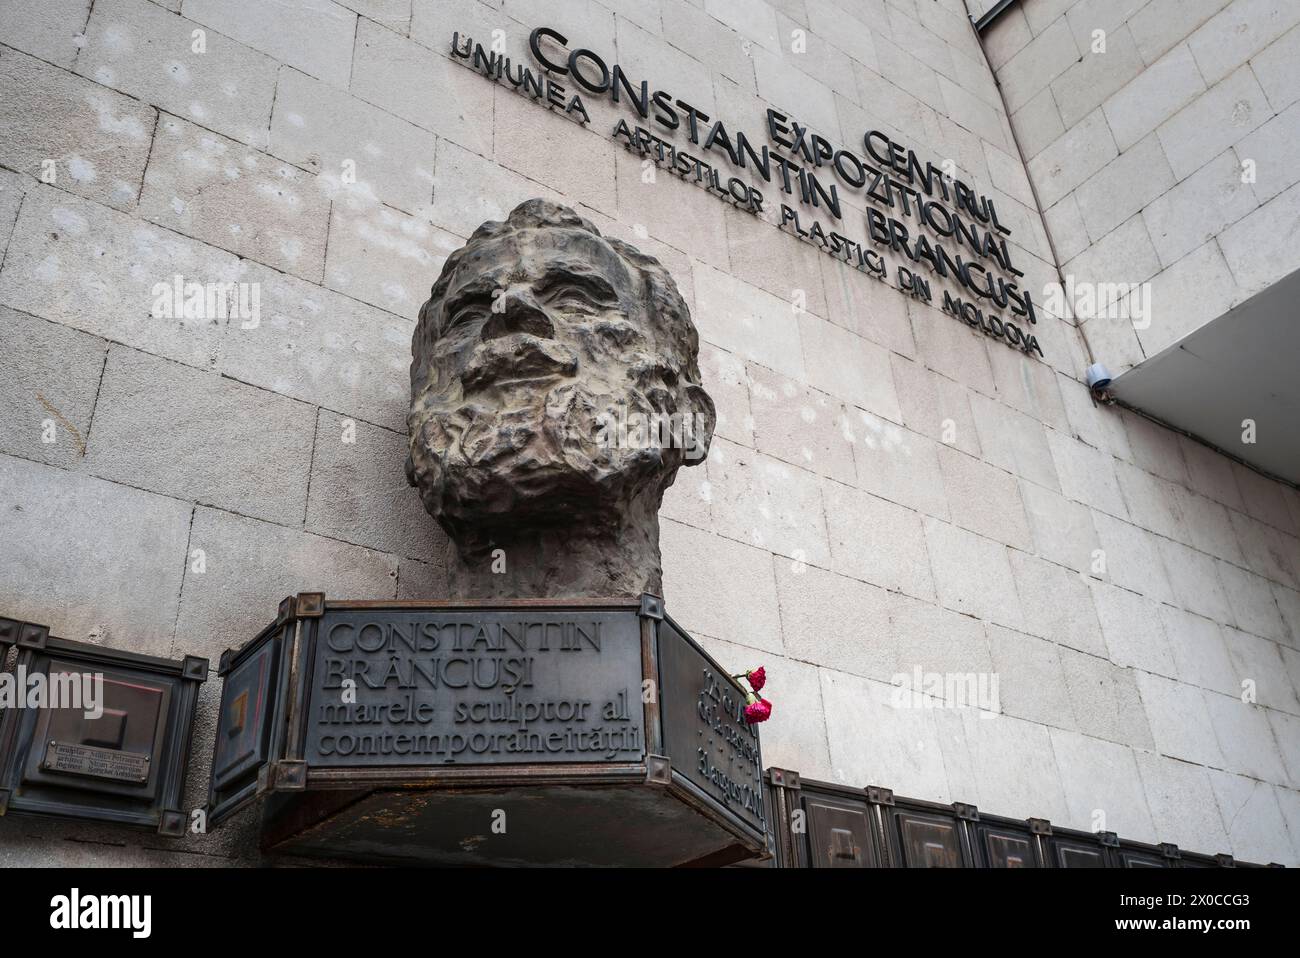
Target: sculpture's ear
[(704, 416)]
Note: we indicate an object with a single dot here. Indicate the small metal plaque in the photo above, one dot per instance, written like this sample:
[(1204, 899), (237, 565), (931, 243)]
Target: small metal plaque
[(94, 762)]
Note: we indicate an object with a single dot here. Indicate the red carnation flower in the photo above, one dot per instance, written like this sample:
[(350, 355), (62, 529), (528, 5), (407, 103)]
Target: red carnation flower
[(757, 678), (759, 711)]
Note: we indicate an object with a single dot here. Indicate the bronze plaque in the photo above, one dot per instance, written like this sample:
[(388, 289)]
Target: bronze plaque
[(95, 762), (117, 755), (1071, 854), (132, 723), (393, 687), (1007, 849), (245, 724), (839, 833), (928, 841), (705, 732)]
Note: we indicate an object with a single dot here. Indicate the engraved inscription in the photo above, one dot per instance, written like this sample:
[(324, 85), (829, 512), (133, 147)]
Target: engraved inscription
[(96, 762), (399, 688), (705, 732)]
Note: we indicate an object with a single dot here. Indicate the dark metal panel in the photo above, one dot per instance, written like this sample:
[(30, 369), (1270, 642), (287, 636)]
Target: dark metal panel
[(251, 722), (1075, 849), (839, 831), (1004, 843), (927, 839), (786, 819), (1131, 854), (922, 834), (704, 729), (123, 761)]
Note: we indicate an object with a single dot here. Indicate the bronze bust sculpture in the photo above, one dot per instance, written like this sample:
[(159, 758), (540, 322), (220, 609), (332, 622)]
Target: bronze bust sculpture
[(555, 391)]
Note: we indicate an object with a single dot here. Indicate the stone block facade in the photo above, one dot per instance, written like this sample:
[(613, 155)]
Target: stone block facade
[(890, 490)]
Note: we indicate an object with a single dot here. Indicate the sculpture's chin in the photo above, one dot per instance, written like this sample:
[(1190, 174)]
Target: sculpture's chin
[(545, 463)]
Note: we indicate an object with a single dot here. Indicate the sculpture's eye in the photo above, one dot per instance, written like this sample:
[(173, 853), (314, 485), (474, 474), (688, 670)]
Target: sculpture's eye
[(618, 331), (463, 316), (573, 298)]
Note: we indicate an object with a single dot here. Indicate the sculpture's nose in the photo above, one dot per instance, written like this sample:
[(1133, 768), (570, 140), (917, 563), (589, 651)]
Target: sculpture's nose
[(515, 311)]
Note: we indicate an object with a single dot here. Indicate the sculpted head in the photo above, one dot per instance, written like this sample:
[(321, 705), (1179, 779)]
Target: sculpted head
[(540, 338)]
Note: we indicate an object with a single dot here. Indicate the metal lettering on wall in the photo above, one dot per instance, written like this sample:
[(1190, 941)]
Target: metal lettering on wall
[(428, 688), (705, 732), (912, 208)]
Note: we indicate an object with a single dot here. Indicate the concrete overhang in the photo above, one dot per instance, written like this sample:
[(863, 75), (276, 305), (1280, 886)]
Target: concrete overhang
[(1245, 365)]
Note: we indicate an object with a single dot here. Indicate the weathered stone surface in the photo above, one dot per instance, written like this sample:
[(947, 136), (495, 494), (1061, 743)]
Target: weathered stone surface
[(360, 494), (382, 256), (46, 273), (1190, 825), (836, 621), (1105, 699), (1057, 604), (321, 347), (897, 464), (972, 574), (1199, 651), (849, 367), (1134, 632), (249, 566), (101, 558), (720, 587), (767, 503), (544, 362), (93, 141), (49, 375), (578, 163), (935, 406), (1181, 726), (988, 498), (416, 84), (195, 435), (1001, 762), (335, 135), (749, 322), (1101, 777), (1031, 683), (1250, 814), (867, 730), (212, 188), (798, 424), (277, 29), (13, 188), (139, 48), (496, 193), (45, 28), (877, 541)]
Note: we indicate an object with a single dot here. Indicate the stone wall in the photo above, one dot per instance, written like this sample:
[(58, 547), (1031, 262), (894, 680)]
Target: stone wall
[(1167, 157), (890, 490)]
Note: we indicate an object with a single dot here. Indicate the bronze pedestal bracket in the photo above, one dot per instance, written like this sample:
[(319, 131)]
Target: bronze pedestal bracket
[(384, 731), (115, 752)]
